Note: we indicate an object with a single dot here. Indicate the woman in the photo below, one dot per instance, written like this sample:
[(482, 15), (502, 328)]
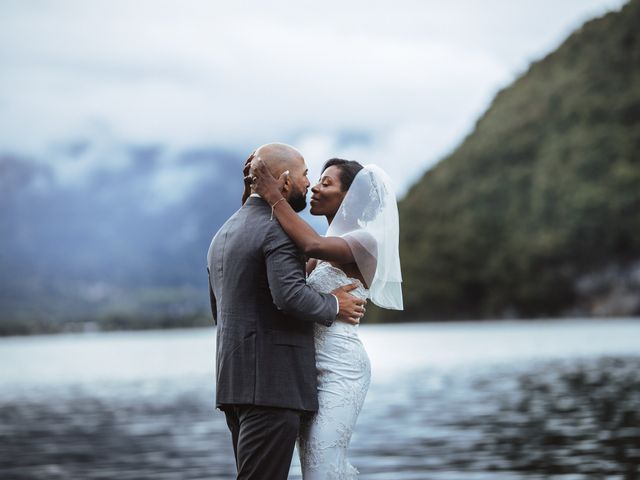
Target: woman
[(361, 246)]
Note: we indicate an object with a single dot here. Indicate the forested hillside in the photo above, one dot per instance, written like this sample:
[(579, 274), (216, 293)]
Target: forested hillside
[(537, 212)]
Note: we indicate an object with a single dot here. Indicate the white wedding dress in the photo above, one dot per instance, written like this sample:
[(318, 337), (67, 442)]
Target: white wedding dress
[(344, 373)]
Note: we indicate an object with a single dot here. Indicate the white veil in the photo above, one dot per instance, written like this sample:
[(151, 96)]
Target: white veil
[(368, 220)]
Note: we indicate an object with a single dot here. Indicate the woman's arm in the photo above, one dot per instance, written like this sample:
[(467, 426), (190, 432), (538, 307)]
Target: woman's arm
[(333, 249)]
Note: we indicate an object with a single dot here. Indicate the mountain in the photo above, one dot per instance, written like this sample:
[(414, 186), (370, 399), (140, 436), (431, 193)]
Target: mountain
[(537, 212), (117, 241)]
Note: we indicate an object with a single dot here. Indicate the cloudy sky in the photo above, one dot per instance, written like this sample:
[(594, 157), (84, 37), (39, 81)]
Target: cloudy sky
[(394, 83)]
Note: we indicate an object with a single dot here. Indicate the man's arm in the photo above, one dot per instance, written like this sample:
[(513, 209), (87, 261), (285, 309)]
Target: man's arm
[(212, 299), (289, 289), (287, 283)]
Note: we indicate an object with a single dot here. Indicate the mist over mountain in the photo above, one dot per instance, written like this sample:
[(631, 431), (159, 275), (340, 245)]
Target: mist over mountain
[(82, 240), (537, 212)]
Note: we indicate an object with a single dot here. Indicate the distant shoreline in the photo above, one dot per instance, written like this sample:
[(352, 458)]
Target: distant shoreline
[(119, 322), (33, 328)]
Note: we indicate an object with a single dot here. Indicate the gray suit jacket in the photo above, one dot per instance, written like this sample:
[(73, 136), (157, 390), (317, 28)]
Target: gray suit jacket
[(265, 312)]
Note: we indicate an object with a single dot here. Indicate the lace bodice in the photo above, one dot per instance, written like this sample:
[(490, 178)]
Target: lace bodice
[(325, 278)]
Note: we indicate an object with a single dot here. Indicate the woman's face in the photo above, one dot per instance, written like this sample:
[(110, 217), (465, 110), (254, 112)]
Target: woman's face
[(327, 194)]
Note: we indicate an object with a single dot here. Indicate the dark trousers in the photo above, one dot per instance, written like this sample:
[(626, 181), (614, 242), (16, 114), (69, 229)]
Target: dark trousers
[(263, 440)]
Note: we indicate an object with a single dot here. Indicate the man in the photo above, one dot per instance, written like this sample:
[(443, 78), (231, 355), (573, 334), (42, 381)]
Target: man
[(264, 310)]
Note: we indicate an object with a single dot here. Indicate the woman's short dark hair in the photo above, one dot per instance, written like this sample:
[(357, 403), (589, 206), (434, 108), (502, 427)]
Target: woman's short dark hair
[(348, 170)]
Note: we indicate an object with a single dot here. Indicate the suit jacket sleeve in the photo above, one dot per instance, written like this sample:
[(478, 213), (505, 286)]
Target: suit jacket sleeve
[(212, 299), (288, 284)]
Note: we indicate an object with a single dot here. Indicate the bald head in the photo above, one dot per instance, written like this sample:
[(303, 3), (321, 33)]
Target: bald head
[(279, 157)]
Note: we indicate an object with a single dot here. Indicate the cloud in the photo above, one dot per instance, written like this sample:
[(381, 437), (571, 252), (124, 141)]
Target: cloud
[(411, 75), (170, 184)]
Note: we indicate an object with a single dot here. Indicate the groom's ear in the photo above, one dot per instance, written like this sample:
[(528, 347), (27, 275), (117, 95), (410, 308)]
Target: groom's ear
[(286, 185)]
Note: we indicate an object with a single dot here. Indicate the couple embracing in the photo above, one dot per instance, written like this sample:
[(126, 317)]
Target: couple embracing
[(287, 303)]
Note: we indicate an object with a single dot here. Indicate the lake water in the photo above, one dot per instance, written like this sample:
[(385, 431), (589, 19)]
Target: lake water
[(491, 400)]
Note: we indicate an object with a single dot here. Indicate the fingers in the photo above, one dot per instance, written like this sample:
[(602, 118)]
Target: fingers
[(356, 314), (351, 286), (258, 168), (247, 164), (352, 315), (353, 320), (249, 181), (247, 178), (258, 165)]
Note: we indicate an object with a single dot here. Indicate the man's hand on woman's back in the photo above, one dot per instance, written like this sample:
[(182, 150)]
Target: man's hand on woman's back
[(351, 309)]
